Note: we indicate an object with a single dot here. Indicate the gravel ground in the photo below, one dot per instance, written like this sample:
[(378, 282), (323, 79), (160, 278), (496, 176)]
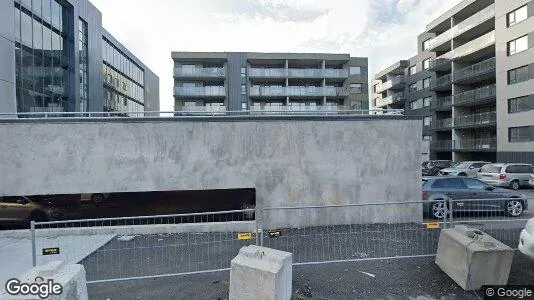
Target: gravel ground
[(406, 278)]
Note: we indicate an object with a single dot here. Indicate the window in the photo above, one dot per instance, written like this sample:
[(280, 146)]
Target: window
[(426, 63), (426, 83), (521, 104), (518, 75), (244, 106), (427, 121), (426, 44), (474, 184), (243, 72), (517, 16), (417, 104), (449, 183), (427, 138), (426, 101), (356, 88), (518, 45), (412, 70), (243, 89), (521, 134), (413, 87), (354, 70)]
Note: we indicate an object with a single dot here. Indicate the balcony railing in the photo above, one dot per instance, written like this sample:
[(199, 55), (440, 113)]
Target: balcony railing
[(297, 73), (443, 102), (442, 124), (476, 144), (298, 91), (208, 108), (476, 119), (475, 70), (475, 95), (438, 62), (442, 81), (469, 23), (397, 81), (441, 145), (199, 72), (201, 91), (398, 97)]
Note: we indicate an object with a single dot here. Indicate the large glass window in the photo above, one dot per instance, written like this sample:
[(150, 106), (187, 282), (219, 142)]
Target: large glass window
[(517, 16), (412, 70), (520, 104), (355, 70), (518, 45), (83, 56), (518, 75), (426, 45), (426, 63), (521, 134), (426, 83)]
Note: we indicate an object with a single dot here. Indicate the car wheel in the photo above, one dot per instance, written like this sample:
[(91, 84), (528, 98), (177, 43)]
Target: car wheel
[(97, 198), (437, 210), (514, 208), (514, 185)]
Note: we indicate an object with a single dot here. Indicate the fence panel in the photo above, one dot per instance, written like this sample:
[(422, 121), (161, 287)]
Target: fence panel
[(373, 231), (115, 249)]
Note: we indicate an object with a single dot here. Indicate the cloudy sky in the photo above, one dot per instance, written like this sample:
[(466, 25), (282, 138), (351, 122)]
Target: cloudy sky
[(383, 30)]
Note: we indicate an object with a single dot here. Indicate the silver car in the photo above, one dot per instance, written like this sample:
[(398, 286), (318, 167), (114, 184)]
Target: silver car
[(513, 176), (466, 169), (531, 181)]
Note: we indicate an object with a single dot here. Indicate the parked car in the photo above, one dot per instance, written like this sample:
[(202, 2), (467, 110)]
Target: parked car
[(531, 180), (526, 239), (20, 210), (97, 198), (432, 167), (513, 176), (437, 189), (466, 169)]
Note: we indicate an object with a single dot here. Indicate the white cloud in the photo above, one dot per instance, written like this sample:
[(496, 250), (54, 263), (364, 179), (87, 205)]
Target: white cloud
[(383, 30)]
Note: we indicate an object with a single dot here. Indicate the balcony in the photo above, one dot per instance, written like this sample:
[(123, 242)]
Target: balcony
[(443, 83), (297, 73), (395, 98), (200, 91), (199, 72), (444, 103), (443, 124), (476, 120), (440, 64), (205, 109), (476, 96), (476, 70), (471, 47), (296, 91), (488, 144), (397, 82), (467, 24), (445, 145)]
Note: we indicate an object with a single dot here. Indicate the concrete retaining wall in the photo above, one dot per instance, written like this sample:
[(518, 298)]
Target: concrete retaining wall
[(289, 161)]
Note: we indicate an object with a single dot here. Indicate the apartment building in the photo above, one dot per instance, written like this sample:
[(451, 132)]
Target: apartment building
[(221, 81), (471, 82), (56, 57)]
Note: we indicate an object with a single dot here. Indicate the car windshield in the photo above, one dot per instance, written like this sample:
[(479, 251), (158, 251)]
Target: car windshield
[(462, 166), (490, 169), (424, 164)]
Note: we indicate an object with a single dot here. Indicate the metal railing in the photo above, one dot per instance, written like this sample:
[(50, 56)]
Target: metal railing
[(475, 70), (438, 62), (200, 72), (286, 91), (482, 93), (443, 102), (442, 123), (476, 119), (298, 73), (199, 111), (398, 97), (201, 91), (441, 145), (475, 144), (442, 81)]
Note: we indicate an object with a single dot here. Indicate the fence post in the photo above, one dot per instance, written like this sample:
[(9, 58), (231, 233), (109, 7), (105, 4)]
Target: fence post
[(34, 253), (261, 226), (451, 213)]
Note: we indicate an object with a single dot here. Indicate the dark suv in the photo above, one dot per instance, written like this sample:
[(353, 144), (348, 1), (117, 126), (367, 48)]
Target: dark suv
[(432, 167), (438, 190)]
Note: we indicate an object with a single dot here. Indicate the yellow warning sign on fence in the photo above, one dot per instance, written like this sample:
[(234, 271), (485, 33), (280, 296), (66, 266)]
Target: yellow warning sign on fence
[(244, 236), (432, 225)]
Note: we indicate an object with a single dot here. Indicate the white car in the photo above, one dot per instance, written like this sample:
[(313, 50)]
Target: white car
[(526, 240)]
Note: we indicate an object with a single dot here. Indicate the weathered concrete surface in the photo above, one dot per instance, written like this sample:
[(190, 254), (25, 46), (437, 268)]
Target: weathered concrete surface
[(71, 278), (473, 258), (290, 161), (261, 273)]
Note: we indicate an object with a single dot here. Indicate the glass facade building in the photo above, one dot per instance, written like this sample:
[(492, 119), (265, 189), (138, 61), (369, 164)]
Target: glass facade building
[(41, 55), (56, 57)]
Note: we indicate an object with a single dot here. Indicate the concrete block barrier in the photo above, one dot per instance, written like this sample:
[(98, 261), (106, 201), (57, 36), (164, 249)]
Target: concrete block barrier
[(261, 273), (472, 258)]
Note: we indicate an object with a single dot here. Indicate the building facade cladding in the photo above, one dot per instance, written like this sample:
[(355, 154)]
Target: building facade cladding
[(269, 81), (53, 57)]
